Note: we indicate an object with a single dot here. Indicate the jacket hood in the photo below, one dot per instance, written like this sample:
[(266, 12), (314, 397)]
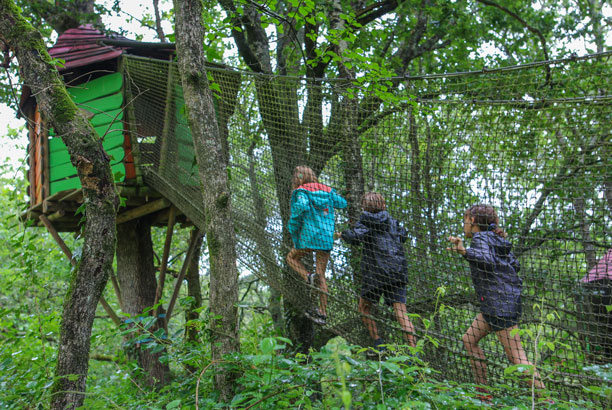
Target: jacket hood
[(501, 245), (317, 193), (375, 220)]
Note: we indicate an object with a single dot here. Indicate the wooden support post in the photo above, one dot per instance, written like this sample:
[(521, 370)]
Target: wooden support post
[(142, 210), (31, 164), (191, 252), (164, 262), (47, 223), (115, 283), (46, 172)]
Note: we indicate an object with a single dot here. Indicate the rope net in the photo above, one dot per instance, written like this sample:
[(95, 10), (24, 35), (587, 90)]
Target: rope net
[(531, 141)]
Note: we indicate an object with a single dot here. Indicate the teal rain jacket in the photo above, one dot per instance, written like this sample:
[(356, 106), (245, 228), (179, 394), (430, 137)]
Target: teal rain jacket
[(312, 216)]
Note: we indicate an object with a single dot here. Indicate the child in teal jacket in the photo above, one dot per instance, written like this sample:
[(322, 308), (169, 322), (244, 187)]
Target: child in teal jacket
[(312, 226)]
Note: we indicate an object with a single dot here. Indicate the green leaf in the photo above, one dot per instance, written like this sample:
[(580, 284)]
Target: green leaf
[(173, 404), (346, 398), (392, 367), (267, 345)]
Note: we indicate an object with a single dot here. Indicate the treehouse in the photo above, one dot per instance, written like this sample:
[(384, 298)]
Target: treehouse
[(116, 83)]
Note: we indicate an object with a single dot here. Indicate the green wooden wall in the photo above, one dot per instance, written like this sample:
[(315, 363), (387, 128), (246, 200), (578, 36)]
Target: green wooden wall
[(103, 97)]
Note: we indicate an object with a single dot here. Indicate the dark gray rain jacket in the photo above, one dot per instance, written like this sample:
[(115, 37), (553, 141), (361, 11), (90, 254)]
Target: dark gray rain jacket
[(383, 261), (495, 274)]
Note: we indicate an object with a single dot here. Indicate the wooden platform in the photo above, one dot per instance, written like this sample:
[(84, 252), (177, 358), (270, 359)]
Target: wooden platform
[(61, 208)]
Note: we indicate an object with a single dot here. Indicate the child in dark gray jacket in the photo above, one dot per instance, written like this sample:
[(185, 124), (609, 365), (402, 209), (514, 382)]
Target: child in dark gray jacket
[(498, 287), (383, 264)]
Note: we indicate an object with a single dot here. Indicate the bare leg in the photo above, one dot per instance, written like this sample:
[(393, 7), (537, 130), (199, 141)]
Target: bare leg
[(479, 329), (405, 323), (294, 260), (370, 324), (515, 352), (321, 266)]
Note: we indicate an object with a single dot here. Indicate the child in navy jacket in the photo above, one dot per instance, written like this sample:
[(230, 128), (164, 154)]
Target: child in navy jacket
[(494, 270), (383, 264)]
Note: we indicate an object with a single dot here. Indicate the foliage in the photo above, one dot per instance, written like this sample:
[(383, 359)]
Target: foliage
[(457, 36), (33, 275)]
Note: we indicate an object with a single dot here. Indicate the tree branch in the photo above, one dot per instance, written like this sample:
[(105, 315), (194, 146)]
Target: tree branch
[(529, 27), (373, 12), (242, 43), (158, 27)]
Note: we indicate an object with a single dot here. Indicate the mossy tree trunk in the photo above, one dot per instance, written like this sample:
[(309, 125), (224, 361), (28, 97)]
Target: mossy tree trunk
[(92, 163), (220, 235)]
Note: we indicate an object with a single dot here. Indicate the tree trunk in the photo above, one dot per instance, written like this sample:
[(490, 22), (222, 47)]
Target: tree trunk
[(220, 235), (136, 274), (194, 289), (66, 14), (415, 184), (100, 200), (585, 232)]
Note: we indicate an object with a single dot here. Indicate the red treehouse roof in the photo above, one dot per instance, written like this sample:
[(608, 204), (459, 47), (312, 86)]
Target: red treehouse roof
[(79, 47)]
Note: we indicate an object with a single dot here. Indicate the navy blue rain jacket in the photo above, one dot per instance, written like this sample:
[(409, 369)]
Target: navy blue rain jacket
[(383, 260), (495, 274)]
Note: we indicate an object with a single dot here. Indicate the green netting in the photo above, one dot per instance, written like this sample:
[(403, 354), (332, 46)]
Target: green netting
[(533, 141)]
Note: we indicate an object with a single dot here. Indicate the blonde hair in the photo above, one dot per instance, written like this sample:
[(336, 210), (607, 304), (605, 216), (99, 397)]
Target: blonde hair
[(373, 202), (302, 175)]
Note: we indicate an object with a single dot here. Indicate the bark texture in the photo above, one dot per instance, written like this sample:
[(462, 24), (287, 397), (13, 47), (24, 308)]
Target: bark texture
[(220, 235), (136, 274), (92, 164), (194, 290)]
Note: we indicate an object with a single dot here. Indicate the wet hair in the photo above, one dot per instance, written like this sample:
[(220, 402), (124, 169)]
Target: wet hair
[(302, 175), (373, 202), (485, 216)]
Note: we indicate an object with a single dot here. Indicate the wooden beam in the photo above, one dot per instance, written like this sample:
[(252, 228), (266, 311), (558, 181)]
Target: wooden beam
[(46, 173), (53, 206), (47, 223), (58, 196), (163, 216), (191, 252), (29, 215), (56, 215), (109, 310), (76, 195), (115, 284), (137, 44), (164, 262), (142, 210)]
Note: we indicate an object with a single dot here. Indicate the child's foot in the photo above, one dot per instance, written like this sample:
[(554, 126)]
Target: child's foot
[(311, 279), (378, 345)]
